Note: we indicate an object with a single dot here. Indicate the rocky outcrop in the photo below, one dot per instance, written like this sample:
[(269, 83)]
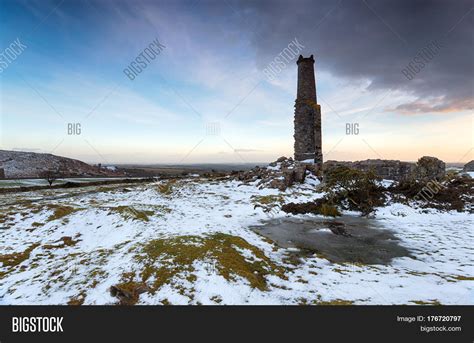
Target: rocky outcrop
[(19, 164), (285, 172), (281, 174), (469, 167)]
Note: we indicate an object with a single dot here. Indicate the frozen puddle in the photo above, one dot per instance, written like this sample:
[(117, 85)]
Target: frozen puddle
[(344, 239)]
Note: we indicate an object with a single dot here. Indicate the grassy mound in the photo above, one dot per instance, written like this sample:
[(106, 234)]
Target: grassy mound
[(167, 261)]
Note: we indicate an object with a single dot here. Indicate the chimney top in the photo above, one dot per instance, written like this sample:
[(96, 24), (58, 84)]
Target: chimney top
[(306, 59)]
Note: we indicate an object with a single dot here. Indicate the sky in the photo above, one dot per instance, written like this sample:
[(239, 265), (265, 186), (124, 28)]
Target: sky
[(401, 72)]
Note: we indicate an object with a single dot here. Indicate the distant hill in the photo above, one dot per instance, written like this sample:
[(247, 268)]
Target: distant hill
[(19, 164)]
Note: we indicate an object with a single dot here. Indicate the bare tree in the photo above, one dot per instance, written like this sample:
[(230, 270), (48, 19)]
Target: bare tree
[(50, 176)]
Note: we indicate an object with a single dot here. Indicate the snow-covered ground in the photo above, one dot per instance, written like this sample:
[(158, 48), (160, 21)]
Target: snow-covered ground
[(59, 246)]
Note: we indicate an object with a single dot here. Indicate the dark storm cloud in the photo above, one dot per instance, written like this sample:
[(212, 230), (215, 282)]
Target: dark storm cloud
[(376, 40)]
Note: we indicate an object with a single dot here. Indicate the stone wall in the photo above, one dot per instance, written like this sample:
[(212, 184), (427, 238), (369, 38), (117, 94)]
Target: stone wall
[(427, 168)]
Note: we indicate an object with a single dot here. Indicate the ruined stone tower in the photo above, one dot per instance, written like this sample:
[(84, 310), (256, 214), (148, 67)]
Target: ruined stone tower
[(307, 114)]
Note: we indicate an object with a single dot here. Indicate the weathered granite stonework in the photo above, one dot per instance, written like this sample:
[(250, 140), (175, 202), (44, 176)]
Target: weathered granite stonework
[(386, 169), (427, 168), (307, 120)]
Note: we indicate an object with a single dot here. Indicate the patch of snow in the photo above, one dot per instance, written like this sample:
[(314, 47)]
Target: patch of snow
[(275, 168)]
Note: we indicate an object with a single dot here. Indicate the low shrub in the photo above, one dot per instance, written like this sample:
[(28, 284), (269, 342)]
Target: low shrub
[(455, 192), (353, 189)]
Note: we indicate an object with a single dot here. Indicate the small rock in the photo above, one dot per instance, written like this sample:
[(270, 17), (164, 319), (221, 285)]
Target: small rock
[(300, 173)]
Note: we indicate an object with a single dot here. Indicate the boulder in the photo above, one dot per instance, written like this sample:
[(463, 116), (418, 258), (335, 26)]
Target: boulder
[(300, 173), (469, 167), (429, 168)]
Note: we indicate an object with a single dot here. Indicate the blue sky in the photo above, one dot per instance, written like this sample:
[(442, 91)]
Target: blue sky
[(211, 65)]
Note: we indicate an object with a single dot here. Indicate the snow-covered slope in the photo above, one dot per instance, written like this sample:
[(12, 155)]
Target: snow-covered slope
[(190, 242), (19, 164)]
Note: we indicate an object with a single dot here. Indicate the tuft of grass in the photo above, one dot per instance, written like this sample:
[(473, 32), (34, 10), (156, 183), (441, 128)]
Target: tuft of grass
[(128, 291), (329, 210), (337, 302), (161, 210), (60, 211), (14, 259), (128, 212), (66, 242), (267, 199), (166, 188), (77, 300), (429, 302), (267, 202), (464, 278)]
